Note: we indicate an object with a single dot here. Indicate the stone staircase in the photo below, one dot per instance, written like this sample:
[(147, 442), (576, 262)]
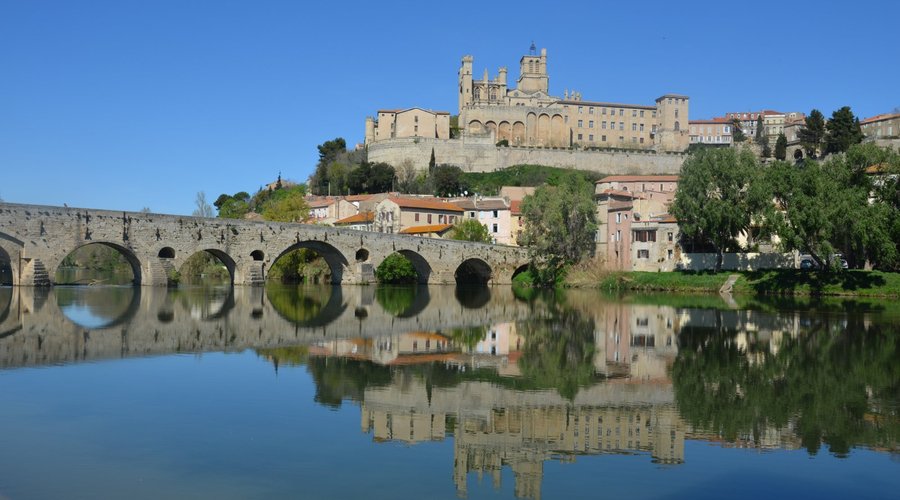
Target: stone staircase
[(36, 274), (255, 275)]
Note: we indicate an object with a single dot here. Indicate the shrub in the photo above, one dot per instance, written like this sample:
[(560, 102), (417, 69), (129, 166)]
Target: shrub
[(396, 269)]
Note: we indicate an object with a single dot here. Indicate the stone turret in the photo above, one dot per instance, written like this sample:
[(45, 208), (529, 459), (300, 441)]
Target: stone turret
[(465, 82)]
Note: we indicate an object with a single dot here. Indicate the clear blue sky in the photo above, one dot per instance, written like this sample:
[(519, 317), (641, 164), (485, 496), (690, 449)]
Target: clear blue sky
[(127, 104)]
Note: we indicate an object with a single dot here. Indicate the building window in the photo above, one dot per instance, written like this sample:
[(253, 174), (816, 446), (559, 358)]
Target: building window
[(591, 124), (580, 109), (603, 125), (618, 217), (603, 111), (494, 228), (642, 113), (644, 254), (653, 114), (642, 127), (618, 235), (496, 214), (590, 111), (621, 112), (417, 217), (634, 113), (580, 123), (634, 127), (603, 138), (669, 254), (644, 235), (591, 137), (472, 214), (579, 137), (642, 140), (429, 218), (621, 125), (670, 236), (440, 218)]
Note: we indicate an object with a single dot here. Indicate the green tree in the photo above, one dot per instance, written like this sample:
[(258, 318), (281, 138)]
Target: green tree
[(447, 180), (824, 208), (431, 162), (396, 268), (766, 150), (761, 137), (560, 226), (371, 178), (203, 209), (470, 230), (329, 152), (737, 132), (842, 131), (717, 197), (812, 135), (781, 147), (287, 209)]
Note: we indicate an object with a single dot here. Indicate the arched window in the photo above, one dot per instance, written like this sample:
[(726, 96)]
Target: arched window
[(677, 126), (531, 66), (477, 93), (493, 94)]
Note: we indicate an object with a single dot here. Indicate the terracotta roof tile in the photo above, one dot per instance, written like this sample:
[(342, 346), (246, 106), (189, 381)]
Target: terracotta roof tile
[(425, 204), (433, 228), (878, 118), (356, 219), (515, 207)]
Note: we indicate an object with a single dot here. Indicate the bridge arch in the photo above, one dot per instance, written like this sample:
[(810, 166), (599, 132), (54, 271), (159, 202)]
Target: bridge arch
[(519, 270), (221, 256), (98, 308), (473, 271), (422, 267), (335, 259), (133, 261), (6, 269)]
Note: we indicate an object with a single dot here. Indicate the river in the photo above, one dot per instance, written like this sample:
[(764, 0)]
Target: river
[(444, 392)]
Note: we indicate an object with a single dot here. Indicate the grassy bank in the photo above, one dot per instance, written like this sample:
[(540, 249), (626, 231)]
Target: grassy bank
[(769, 282)]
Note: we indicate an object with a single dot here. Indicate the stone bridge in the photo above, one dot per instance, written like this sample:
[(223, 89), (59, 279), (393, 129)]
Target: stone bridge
[(36, 329), (35, 239)]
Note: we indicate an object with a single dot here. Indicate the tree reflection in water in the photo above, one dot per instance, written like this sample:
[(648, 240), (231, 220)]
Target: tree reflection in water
[(559, 352), (829, 384)]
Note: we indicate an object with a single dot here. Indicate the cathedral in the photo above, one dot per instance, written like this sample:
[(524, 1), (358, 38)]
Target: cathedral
[(529, 116)]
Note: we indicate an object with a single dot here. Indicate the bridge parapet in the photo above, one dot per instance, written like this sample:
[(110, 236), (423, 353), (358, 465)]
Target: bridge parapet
[(35, 239)]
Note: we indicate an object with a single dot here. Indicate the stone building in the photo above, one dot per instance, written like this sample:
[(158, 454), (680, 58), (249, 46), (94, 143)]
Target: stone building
[(716, 131), (411, 122), (634, 230), (395, 213), (885, 126), (773, 121), (528, 115), (493, 214)]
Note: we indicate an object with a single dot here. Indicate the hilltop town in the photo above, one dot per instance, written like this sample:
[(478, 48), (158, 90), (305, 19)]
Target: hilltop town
[(429, 173)]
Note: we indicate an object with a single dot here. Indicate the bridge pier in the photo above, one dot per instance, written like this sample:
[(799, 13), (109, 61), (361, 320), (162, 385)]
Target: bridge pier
[(35, 239)]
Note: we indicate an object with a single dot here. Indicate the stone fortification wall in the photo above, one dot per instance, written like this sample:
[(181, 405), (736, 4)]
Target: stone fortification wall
[(480, 154)]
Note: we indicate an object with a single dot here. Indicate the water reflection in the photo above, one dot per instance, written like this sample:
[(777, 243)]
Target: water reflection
[(518, 379)]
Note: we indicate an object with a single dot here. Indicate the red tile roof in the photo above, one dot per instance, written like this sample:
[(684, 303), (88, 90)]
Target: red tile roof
[(433, 228), (515, 207), (361, 217), (878, 118), (425, 204), (320, 203)]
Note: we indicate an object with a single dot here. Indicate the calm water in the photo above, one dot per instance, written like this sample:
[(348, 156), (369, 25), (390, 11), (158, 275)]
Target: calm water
[(443, 392)]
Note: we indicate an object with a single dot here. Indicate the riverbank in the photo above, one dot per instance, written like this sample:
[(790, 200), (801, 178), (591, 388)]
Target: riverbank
[(768, 282)]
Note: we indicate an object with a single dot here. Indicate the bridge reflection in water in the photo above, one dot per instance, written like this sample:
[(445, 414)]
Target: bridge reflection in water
[(515, 380)]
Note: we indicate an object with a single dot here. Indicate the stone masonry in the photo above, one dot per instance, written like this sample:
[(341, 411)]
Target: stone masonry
[(35, 239)]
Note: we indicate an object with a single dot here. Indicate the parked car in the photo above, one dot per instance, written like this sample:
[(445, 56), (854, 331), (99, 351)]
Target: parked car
[(807, 264)]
